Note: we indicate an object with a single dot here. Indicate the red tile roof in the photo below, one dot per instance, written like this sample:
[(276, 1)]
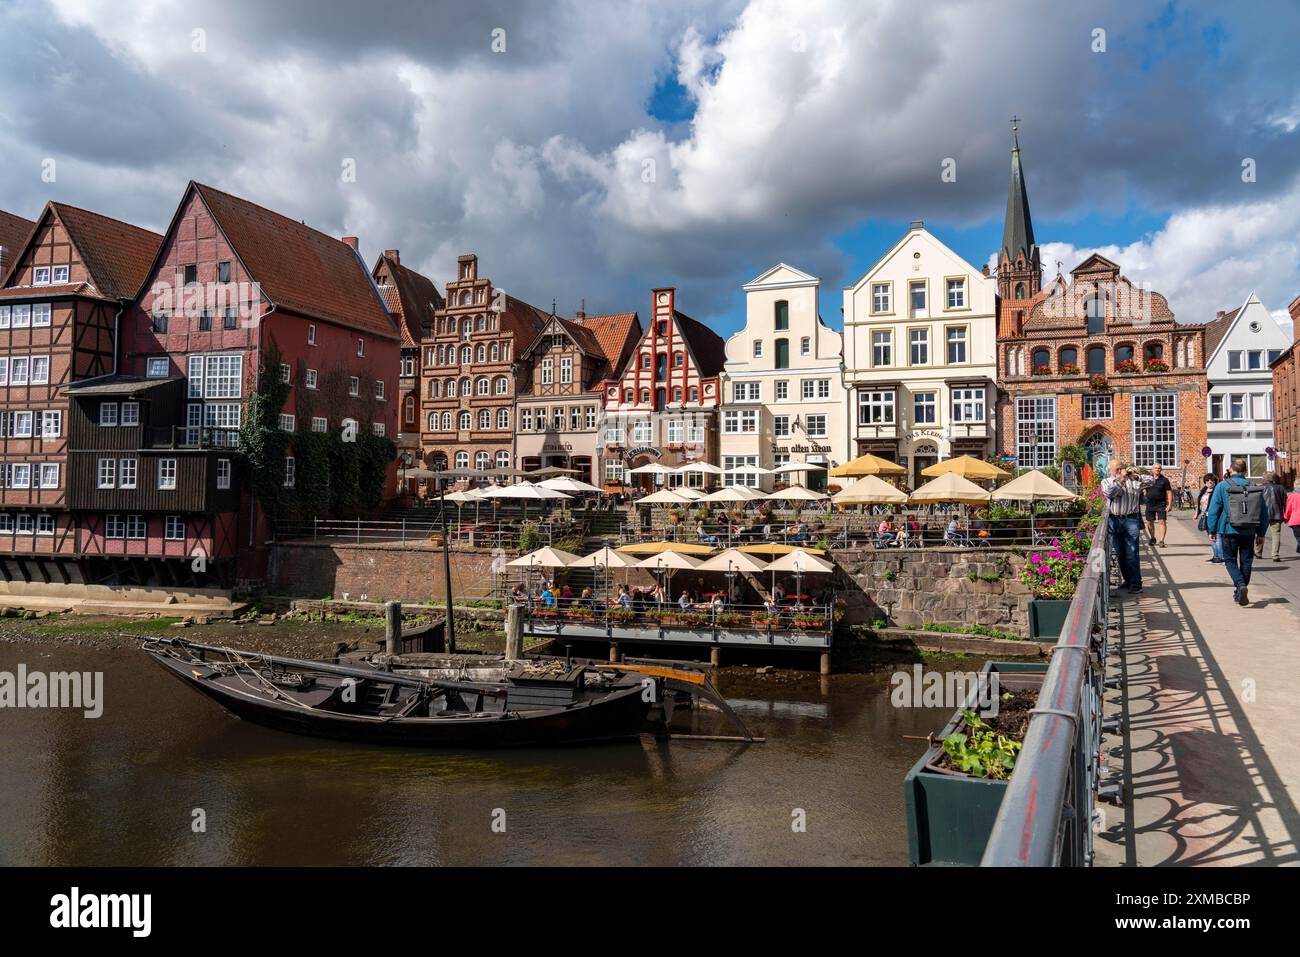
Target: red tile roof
[(300, 269), (616, 336), (117, 255), (14, 231), (1216, 329), (413, 298)]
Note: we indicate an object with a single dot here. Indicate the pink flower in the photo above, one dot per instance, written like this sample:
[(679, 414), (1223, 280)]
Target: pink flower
[(1036, 559)]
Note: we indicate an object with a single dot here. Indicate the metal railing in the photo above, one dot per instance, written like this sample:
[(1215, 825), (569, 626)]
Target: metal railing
[(1046, 815), (669, 616), (191, 437), (415, 532)]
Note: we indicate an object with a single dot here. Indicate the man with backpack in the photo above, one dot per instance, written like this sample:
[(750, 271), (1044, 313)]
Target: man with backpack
[(1238, 515), (1275, 499)]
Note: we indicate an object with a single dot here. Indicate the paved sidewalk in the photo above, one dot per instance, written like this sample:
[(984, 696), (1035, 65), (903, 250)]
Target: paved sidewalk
[(1211, 752)]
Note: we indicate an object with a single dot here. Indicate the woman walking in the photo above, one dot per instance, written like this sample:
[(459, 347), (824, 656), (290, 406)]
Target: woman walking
[(1202, 507), (1292, 514)]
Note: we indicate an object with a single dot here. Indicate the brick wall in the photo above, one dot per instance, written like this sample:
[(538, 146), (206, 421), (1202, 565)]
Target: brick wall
[(934, 585), (379, 572)]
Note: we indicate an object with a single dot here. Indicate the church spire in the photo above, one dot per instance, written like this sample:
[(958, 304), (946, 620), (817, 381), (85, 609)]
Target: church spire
[(1019, 270)]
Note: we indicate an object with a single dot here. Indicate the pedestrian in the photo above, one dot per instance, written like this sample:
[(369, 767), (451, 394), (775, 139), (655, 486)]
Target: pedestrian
[(1123, 489), (1275, 496), (1238, 514), (1292, 515), (1208, 481), (1159, 496)]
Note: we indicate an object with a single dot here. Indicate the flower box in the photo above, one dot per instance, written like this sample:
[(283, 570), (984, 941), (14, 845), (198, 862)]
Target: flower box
[(1047, 617), (1068, 368), (1157, 365), (1127, 367), (1042, 370), (1098, 383)]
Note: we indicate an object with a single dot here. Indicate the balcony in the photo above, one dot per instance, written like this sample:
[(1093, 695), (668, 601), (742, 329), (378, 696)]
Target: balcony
[(190, 437)]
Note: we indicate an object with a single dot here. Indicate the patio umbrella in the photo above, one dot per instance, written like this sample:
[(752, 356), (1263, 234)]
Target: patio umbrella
[(1034, 486), (870, 490), (666, 563), (951, 487), (751, 469), (796, 493), (798, 467), (731, 493), (651, 468), (800, 563), (867, 465), (666, 496), (417, 472), (551, 471), (690, 494), (655, 548), (606, 558), (967, 466), (732, 560), (567, 484), (546, 557), (776, 549), (525, 492), (703, 467)]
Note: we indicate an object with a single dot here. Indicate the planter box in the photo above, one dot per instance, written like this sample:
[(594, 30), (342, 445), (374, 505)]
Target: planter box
[(1047, 617), (949, 816)]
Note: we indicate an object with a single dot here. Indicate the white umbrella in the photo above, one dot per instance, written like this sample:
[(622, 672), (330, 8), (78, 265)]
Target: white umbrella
[(798, 467), (703, 467), (732, 561), (796, 493), (546, 557), (691, 494), (751, 469), (653, 468), (524, 490), (670, 560), (460, 498), (665, 496), (801, 563), (730, 493), (1034, 486), (605, 558), (567, 484)]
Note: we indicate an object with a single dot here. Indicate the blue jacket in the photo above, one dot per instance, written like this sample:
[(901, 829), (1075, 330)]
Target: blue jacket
[(1216, 519)]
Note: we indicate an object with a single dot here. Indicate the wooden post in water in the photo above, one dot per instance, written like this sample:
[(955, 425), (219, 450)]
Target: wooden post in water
[(715, 656), (514, 633), (393, 627), (613, 651), (826, 663)]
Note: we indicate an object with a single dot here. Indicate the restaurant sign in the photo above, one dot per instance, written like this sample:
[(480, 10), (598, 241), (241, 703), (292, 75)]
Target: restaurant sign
[(632, 454)]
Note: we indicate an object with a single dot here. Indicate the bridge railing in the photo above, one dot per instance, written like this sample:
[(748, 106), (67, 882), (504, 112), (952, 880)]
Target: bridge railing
[(1046, 815)]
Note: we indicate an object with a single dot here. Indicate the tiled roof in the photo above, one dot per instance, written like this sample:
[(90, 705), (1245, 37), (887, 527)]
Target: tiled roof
[(117, 255), (522, 320), (708, 347), (413, 298), (1216, 329), (616, 335), (300, 269), (14, 231)]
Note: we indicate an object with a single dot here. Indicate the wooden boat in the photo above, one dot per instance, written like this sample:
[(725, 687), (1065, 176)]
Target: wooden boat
[(526, 706)]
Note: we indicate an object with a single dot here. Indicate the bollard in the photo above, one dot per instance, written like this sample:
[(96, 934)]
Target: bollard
[(393, 627), (514, 633), (826, 663), (715, 656), (613, 651)]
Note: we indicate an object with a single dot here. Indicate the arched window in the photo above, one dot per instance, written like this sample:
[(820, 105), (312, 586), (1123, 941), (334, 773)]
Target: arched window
[(462, 460), (1095, 309), (408, 414), (1020, 290), (481, 354), (466, 328), (446, 422), (645, 396), (433, 421), (505, 352), (1153, 350), (503, 419), (627, 396), (496, 352), (1123, 353), (1042, 359), (503, 385), (781, 319), (466, 355), (464, 297), (466, 387), (483, 385), (465, 421), (451, 388), (1096, 360), (485, 418), (482, 460), (679, 359), (677, 393), (1068, 356), (503, 459), (694, 393), (482, 323)]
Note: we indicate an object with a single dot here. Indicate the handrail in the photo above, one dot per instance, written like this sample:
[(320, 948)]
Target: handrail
[(1045, 819)]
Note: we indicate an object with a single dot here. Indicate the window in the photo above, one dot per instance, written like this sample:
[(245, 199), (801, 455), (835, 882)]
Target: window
[(956, 345), (174, 528), (1041, 359), (379, 390), (740, 421), (1096, 360), (1123, 354), (968, 405), (223, 271), (679, 360), (19, 425), (526, 420), (503, 419), (166, 473), (1254, 359), (108, 414), (310, 379), (311, 334), (805, 346), (354, 385), (566, 369), (1069, 356), (589, 418), (642, 431), (216, 376), (1216, 407), (482, 460), (1237, 407), (223, 473), (758, 348), (135, 527), (286, 373), (287, 422), (482, 386), (676, 430), (485, 418), (378, 428), (41, 276), (130, 413), (44, 524), (51, 424), (1095, 311), (157, 367), (816, 389), (876, 407), (462, 460), (319, 423), (290, 471), (503, 457), (361, 347), (548, 371), (575, 418), (780, 426), (1036, 432), (613, 434), (160, 322), (126, 473), (815, 426), (734, 466), (114, 527), (1098, 406), (880, 297), (41, 314), (746, 391), (916, 293), (1235, 360), (882, 348), (230, 318), (782, 390), (919, 342), (1155, 429), (49, 475), (923, 408), (956, 293), (24, 524), (465, 421), (781, 321), (613, 470), (106, 473), (782, 358)]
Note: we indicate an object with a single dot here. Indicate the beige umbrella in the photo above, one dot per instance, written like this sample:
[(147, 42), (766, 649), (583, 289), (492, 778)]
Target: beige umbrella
[(567, 484), (665, 496), (731, 493), (547, 557), (690, 494), (799, 467), (607, 559), (796, 493), (803, 563), (870, 490), (668, 562), (951, 487), (655, 548), (1034, 486), (652, 468), (732, 560), (967, 466), (460, 498), (867, 465), (703, 467)]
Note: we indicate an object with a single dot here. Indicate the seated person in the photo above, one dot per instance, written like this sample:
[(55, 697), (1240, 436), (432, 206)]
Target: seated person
[(778, 594), (951, 534), (587, 599), (548, 597), (798, 532), (717, 605), (624, 597), (771, 607), (518, 595), (885, 532), (684, 601), (704, 536), (566, 596)]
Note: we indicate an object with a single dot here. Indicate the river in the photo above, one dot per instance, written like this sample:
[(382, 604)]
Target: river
[(123, 789)]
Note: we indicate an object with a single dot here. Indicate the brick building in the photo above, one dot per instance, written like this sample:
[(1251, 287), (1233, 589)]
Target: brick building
[(471, 373), (558, 411), (413, 301), (68, 279), (663, 407), (1092, 360), (152, 480), (1286, 402)]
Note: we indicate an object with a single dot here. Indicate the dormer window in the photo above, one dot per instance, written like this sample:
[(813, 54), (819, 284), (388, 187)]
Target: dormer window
[(41, 276)]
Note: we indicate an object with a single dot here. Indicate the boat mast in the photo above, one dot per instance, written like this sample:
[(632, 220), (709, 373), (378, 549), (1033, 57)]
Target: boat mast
[(446, 568)]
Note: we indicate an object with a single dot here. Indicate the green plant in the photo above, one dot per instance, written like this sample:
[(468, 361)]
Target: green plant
[(530, 537), (981, 630), (984, 752), (879, 622), (890, 575), (1054, 572)]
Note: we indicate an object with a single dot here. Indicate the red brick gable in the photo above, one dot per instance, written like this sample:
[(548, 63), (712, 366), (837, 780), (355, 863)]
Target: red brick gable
[(412, 297)]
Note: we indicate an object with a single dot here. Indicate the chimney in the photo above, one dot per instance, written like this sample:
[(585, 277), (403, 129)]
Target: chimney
[(582, 311), (349, 241), (1294, 310), (1219, 314), (394, 255)]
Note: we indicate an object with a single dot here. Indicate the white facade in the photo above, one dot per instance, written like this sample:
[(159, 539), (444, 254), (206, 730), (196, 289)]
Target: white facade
[(920, 344), (1239, 408), (783, 393)]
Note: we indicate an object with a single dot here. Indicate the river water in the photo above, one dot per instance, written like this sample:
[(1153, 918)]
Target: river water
[(123, 788)]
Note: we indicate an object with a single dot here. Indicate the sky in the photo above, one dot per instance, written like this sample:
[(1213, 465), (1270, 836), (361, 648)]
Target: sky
[(590, 150)]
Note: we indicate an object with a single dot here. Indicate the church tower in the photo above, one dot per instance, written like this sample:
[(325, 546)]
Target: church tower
[(1020, 273)]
